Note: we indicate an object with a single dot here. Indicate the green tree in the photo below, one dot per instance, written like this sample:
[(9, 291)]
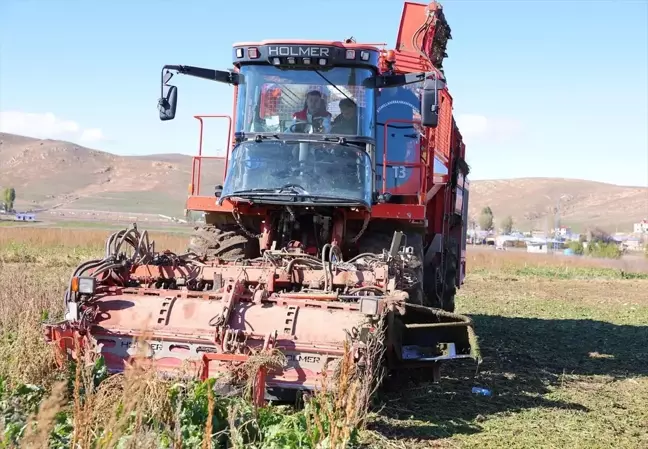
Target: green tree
[(8, 197), (601, 249), (486, 219), (576, 247), (507, 225)]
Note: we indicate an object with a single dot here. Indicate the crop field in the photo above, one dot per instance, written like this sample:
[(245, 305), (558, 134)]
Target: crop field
[(565, 355)]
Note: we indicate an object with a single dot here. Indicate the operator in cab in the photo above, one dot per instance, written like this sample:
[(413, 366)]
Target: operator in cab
[(347, 121), (314, 113)]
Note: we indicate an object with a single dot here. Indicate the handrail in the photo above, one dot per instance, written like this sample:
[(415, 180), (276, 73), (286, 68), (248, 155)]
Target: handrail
[(195, 183), (196, 161), (386, 162)]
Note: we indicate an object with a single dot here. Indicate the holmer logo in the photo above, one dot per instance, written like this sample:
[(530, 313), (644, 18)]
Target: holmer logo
[(313, 52)]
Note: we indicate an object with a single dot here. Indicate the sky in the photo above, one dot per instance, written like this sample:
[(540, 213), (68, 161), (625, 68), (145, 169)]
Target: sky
[(540, 88)]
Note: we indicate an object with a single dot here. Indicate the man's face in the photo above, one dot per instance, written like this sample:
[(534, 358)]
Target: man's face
[(347, 111), (312, 101)]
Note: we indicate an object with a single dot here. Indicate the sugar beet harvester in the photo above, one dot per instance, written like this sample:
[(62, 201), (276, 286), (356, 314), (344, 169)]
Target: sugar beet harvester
[(323, 228)]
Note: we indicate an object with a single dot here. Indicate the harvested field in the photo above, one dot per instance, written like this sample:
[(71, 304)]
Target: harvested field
[(563, 341)]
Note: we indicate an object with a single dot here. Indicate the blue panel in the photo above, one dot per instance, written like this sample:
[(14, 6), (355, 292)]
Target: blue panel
[(439, 167), (401, 103)]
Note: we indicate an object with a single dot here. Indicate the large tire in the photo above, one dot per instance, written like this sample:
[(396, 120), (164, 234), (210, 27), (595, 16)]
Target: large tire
[(449, 280), (225, 241)]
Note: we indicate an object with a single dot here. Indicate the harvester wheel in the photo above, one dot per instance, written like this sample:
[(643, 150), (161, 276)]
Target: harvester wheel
[(226, 241), (449, 279)]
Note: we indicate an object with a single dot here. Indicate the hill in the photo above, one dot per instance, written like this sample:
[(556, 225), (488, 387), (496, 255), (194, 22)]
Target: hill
[(52, 173), (533, 202)]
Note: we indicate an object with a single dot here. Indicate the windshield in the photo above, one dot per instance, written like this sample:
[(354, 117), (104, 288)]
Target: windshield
[(305, 101), (285, 172)]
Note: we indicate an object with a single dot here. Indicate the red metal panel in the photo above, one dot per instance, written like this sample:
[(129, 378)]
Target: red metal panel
[(408, 63), (395, 211), (412, 18), (398, 211)]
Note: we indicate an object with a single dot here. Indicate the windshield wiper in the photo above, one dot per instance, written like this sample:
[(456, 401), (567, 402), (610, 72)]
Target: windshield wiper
[(290, 189), (341, 140), (258, 136), (335, 86), (298, 138)]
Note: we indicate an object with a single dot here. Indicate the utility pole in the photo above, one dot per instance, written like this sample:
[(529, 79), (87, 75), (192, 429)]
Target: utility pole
[(557, 225)]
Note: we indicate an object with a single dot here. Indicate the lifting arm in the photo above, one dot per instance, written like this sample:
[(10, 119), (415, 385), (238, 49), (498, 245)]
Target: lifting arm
[(422, 38)]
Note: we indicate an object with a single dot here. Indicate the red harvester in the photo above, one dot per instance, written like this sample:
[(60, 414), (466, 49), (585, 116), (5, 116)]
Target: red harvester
[(344, 206)]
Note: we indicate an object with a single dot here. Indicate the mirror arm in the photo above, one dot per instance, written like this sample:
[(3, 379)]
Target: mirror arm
[(387, 81), (208, 74)]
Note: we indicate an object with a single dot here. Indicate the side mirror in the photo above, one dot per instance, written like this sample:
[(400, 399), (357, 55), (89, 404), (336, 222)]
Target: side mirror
[(167, 104), (430, 102)]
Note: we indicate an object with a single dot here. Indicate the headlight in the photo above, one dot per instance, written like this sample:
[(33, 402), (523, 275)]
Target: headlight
[(84, 285), (369, 306)]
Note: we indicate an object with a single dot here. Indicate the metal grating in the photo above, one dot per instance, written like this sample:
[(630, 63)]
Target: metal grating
[(443, 131), (280, 101)]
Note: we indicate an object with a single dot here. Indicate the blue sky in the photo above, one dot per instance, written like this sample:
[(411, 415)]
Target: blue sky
[(541, 88)]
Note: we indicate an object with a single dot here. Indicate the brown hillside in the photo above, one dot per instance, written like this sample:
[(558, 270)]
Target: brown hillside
[(52, 173), (49, 173), (532, 202)]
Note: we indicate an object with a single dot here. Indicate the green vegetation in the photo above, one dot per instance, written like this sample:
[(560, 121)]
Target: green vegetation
[(596, 248), (603, 249), (8, 198), (146, 412), (577, 247)]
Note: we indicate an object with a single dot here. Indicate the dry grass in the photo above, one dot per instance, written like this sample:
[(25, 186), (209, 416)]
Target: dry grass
[(487, 259), (563, 341), (76, 238)]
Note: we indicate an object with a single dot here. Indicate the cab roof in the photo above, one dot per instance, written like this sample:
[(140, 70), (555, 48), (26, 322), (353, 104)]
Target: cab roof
[(354, 46)]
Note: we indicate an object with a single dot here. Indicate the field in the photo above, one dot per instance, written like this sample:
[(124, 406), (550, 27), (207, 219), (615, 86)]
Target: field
[(563, 342)]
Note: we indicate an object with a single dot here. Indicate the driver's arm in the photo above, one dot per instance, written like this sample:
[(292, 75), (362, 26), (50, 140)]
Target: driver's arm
[(291, 128), (326, 124)]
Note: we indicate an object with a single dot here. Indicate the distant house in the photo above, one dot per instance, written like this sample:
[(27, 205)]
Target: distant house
[(563, 231), (632, 244), (641, 227), (537, 247), (537, 234), (25, 217)]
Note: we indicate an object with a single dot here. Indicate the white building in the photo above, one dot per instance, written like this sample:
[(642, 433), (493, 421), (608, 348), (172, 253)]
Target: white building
[(563, 231), (539, 247), (22, 216), (641, 227)]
